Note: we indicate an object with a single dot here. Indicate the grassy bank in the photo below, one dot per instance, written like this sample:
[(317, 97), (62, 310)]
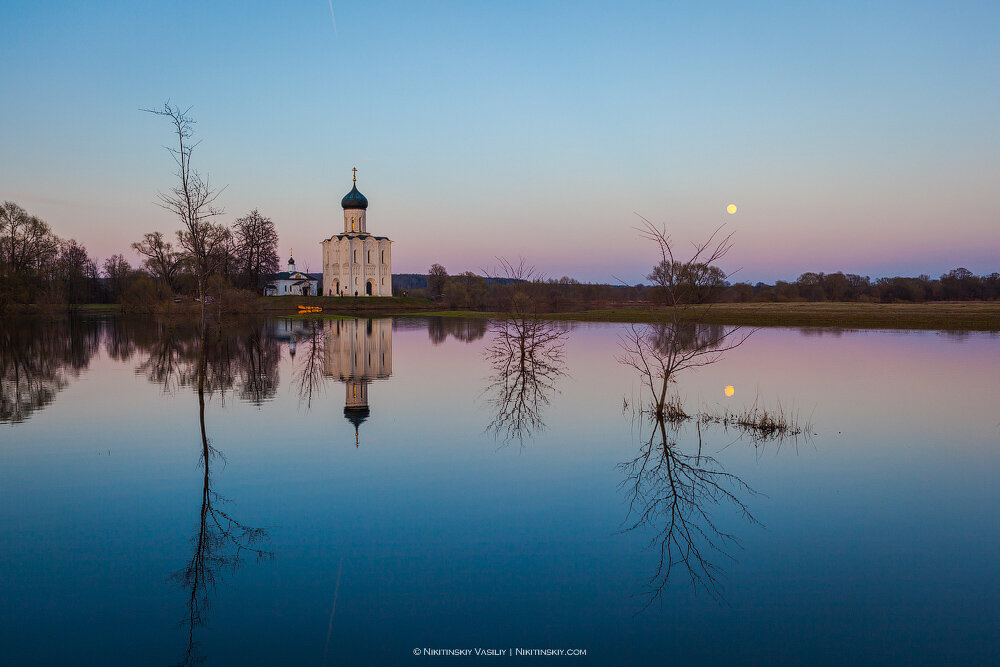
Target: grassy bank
[(341, 304), (941, 315), (947, 315)]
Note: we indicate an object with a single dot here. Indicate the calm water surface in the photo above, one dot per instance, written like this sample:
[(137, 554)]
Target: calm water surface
[(345, 491)]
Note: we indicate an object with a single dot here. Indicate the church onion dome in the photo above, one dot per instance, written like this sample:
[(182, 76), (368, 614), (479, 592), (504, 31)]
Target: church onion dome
[(354, 199), (356, 416)]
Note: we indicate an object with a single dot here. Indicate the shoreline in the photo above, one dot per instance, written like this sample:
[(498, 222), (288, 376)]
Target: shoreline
[(939, 315)]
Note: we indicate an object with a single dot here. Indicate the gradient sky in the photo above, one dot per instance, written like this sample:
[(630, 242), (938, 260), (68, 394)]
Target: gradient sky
[(853, 136)]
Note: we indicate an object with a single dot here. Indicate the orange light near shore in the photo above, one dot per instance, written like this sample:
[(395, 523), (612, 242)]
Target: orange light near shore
[(729, 390)]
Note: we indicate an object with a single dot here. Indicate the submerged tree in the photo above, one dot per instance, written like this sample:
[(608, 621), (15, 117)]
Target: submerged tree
[(660, 351)]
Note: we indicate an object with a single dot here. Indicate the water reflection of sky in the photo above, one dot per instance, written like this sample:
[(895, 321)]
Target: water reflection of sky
[(878, 540)]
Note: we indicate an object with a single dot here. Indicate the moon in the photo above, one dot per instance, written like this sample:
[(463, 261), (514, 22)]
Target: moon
[(731, 209), (729, 390)]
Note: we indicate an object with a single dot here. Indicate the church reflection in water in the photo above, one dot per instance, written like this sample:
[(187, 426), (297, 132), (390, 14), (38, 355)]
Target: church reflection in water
[(356, 352), (353, 351)]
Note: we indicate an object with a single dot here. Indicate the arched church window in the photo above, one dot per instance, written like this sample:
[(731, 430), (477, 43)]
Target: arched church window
[(355, 255), (383, 257)]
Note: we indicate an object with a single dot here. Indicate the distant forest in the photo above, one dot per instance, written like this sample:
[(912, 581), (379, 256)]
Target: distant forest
[(472, 291)]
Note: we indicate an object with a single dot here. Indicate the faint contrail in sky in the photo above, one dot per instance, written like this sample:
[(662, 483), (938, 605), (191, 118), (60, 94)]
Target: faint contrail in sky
[(334, 19)]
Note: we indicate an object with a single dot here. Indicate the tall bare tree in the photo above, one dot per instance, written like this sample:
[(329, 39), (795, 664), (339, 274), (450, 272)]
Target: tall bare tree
[(192, 200)]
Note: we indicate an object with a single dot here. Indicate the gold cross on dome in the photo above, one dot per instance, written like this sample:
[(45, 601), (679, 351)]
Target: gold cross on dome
[(355, 170)]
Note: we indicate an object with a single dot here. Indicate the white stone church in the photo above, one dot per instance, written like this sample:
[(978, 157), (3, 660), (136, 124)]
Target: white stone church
[(355, 263)]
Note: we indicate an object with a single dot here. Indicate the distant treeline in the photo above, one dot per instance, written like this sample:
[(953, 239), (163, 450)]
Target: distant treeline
[(38, 267), (957, 285), (475, 292)]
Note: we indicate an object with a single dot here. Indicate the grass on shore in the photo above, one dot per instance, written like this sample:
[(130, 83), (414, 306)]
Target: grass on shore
[(938, 315), (944, 315)]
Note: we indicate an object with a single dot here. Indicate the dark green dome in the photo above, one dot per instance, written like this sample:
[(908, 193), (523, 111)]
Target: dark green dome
[(354, 199), (356, 416)]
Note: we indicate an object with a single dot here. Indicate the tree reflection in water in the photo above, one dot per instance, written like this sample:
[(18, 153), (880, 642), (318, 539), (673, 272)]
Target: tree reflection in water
[(38, 359), (672, 492), (222, 541), (239, 357), (661, 351), (463, 329), (213, 360), (675, 493), (310, 371), (526, 355)]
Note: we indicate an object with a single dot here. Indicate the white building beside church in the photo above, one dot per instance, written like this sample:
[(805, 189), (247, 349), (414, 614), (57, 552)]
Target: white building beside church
[(355, 263), (291, 282)]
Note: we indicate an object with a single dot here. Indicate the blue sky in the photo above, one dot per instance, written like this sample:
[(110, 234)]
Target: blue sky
[(853, 137)]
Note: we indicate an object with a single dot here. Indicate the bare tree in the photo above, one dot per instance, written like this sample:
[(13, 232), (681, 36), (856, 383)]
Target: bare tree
[(690, 281), (27, 252), (660, 351), (256, 248), (162, 261), (192, 200)]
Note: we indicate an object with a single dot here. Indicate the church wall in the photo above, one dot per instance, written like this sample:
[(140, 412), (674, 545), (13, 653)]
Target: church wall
[(385, 267)]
